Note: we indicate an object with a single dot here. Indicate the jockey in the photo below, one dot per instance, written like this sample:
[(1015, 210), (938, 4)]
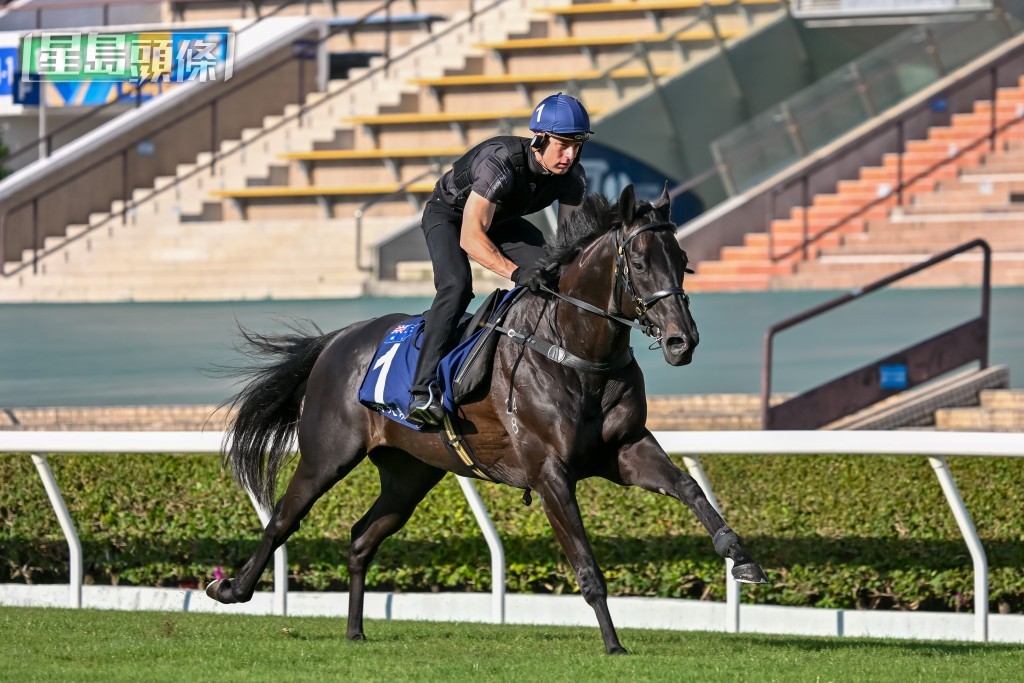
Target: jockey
[(476, 211)]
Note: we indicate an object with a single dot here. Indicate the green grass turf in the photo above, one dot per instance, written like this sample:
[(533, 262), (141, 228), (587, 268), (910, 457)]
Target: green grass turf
[(92, 645)]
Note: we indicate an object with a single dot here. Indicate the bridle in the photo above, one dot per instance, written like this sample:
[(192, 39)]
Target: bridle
[(624, 279), (624, 282)]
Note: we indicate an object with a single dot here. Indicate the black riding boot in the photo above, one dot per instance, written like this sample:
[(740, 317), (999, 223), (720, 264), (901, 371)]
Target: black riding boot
[(425, 408)]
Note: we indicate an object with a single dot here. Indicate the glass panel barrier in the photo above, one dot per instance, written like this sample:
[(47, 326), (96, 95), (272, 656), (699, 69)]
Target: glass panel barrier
[(851, 95)]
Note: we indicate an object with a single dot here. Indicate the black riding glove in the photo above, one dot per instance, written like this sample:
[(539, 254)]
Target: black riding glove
[(535, 276)]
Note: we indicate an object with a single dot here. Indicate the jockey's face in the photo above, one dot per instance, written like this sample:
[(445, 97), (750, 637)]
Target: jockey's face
[(557, 154)]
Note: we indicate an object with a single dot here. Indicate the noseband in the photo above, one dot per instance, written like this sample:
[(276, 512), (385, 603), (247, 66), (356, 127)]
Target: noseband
[(624, 281)]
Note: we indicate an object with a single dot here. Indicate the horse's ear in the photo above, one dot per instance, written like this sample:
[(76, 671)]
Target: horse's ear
[(627, 205), (663, 205)]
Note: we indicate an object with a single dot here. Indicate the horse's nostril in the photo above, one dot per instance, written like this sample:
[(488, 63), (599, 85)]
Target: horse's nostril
[(676, 345)]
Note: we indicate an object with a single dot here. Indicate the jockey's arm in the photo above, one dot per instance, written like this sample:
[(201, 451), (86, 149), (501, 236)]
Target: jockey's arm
[(476, 221)]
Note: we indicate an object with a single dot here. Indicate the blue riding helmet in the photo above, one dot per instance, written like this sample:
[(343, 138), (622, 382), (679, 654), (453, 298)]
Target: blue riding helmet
[(561, 115)]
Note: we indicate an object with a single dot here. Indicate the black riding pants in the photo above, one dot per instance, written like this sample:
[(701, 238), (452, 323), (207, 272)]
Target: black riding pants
[(519, 240)]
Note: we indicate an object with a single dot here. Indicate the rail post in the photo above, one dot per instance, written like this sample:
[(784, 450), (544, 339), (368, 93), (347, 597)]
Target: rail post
[(483, 518), (280, 561), (125, 188), (732, 586), (970, 534), (213, 137), (35, 235), (900, 141), (994, 88), (67, 525)]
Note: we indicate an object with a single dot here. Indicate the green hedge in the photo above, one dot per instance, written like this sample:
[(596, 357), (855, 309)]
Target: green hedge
[(831, 531)]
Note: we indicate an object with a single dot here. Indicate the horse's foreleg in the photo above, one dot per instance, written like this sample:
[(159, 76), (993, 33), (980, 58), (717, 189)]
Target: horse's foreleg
[(559, 499), (645, 464), (404, 481), (307, 485)]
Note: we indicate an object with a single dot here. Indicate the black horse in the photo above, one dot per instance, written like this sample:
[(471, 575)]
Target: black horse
[(543, 426)]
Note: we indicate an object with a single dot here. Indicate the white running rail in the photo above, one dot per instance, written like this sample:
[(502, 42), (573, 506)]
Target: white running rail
[(936, 446)]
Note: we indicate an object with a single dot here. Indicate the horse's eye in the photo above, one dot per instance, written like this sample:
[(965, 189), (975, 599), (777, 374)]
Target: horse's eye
[(638, 264)]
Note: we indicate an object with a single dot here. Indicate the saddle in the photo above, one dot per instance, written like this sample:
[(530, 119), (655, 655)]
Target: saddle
[(469, 364), (462, 374)]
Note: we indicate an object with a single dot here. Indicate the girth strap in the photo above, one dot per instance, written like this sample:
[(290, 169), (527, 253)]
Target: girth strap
[(460, 450), (560, 355)]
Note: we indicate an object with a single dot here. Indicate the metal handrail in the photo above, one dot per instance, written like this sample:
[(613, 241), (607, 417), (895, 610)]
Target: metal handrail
[(361, 211), (706, 14), (47, 140), (902, 185), (693, 182), (107, 4), (859, 292), (78, 4), (217, 156), (897, 124)]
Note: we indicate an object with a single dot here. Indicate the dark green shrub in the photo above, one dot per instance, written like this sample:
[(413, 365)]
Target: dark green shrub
[(851, 531)]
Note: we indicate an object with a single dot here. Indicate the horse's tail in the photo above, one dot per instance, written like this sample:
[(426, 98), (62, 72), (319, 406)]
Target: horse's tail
[(261, 432)]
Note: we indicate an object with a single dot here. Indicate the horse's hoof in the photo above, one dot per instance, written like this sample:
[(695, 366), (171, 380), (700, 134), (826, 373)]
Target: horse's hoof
[(213, 590), (357, 637), (617, 650), (750, 572)]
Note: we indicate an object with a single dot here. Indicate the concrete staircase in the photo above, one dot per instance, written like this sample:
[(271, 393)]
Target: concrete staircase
[(717, 411), (979, 194), (268, 180), (999, 411), (230, 259), (487, 85), (701, 413), (919, 408)]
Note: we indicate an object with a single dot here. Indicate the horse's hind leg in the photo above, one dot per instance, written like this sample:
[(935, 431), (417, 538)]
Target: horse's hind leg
[(559, 500), (404, 481), (309, 482), (645, 464)]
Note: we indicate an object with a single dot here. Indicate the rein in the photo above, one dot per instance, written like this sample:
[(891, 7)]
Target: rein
[(623, 280)]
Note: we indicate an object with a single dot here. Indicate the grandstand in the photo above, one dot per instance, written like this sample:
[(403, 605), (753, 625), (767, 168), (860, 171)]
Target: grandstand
[(303, 176), (962, 181)]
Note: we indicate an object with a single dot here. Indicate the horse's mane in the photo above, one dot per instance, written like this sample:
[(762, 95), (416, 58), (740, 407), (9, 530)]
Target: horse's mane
[(594, 217)]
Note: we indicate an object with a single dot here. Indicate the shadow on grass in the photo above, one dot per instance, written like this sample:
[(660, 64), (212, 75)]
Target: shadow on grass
[(875, 552), (462, 563)]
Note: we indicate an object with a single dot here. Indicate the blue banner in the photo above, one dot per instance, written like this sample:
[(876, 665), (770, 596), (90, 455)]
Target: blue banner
[(609, 170), (8, 65), (26, 92)]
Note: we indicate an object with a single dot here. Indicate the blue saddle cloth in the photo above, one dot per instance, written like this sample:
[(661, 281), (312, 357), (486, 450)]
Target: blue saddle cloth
[(385, 388)]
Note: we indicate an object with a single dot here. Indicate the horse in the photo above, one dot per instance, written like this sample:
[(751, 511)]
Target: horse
[(542, 426)]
